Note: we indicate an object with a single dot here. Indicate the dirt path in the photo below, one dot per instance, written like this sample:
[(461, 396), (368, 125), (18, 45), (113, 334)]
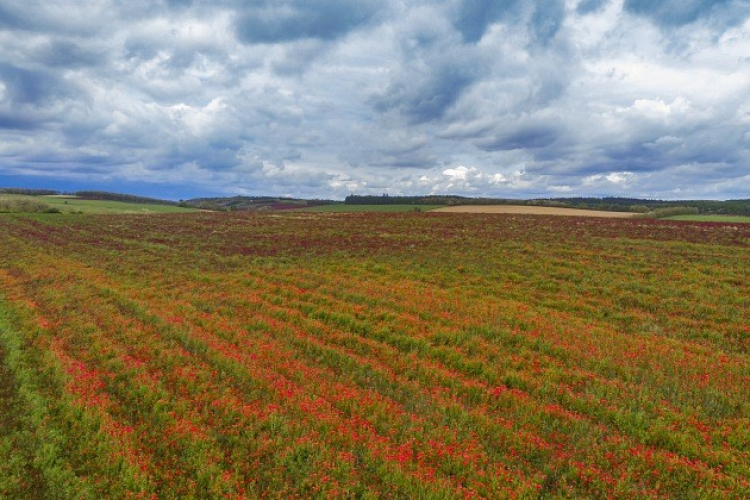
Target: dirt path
[(522, 209)]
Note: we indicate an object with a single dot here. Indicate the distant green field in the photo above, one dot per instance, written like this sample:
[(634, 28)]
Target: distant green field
[(372, 208), (712, 218), (71, 204)]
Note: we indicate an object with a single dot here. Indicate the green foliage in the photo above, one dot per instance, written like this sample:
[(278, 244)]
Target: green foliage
[(385, 199), (23, 204), (663, 213), (642, 209), (29, 191)]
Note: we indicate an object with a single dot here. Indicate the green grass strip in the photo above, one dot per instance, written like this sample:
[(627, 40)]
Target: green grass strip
[(31, 446)]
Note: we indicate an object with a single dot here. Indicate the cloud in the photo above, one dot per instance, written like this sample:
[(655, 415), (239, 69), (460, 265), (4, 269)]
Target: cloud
[(432, 72), (543, 17), (12, 20), (328, 97), (23, 86), (67, 54), (547, 19), (14, 122), (531, 137), (31, 98), (476, 16), (425, 96), (590, 6), (676, 13), (289, 20)]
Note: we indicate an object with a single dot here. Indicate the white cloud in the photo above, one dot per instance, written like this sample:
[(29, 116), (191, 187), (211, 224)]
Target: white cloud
[(460, 173)]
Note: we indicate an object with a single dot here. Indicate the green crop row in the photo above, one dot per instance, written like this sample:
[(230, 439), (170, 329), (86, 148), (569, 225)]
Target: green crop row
[(373, 355)]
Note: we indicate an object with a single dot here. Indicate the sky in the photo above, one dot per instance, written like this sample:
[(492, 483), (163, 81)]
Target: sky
[(326, 98)]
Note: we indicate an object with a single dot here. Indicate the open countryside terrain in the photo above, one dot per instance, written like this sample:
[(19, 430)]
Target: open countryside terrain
[(536, 210), (713, 218), (415, 355), (372, 208), (75, 204)]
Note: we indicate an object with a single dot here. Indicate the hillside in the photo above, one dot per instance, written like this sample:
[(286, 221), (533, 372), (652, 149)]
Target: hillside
[(253, 203), (369, 203), (89, 203)]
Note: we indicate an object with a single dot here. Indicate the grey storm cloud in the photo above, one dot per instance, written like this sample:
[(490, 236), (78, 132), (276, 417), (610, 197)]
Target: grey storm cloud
[(16, 122), (535, 137), (284, 21), (425, 97), (9, 19), (547, 19), (589, 6), (24, 86), (475, 16), (680, 12), (67, 54), (325, 98), (544, 17)]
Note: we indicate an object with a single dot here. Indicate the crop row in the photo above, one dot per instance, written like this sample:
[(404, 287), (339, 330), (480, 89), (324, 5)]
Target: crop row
[(374, 355)]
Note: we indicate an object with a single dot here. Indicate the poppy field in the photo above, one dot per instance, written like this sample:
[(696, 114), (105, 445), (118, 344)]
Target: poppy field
[(373, 355)]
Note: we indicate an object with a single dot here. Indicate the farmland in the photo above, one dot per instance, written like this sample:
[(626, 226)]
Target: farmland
[(372, 208), (713, 218), (535, 210), (372, 355), (75, 204)]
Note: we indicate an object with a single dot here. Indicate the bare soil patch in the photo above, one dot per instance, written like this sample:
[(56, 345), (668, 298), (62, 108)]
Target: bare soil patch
[(523, 209)]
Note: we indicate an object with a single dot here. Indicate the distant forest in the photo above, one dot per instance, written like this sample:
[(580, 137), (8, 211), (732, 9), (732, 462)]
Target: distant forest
[(614, 204), (127, 198), (29, 192)]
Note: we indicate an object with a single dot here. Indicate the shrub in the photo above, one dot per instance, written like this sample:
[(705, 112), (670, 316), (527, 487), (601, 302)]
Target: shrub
[(21, 205), (661, 213)]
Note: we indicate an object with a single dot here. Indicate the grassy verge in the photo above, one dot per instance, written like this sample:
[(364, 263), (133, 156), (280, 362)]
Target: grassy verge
[(713, 218), (19, 476)]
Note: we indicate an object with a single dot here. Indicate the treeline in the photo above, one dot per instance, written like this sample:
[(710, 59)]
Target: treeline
[(127, 198), (251, 203), (410, 200), (29, 192), (704, 207), (612, 204), (453, 200)]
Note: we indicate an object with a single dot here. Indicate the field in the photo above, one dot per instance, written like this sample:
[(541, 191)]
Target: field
[(414, 355), (72, 204), (337, 208), (713, 218), (535, 210)]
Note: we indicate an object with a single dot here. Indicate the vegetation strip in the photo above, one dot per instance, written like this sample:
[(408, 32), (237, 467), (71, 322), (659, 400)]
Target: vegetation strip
[(20, 475)]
